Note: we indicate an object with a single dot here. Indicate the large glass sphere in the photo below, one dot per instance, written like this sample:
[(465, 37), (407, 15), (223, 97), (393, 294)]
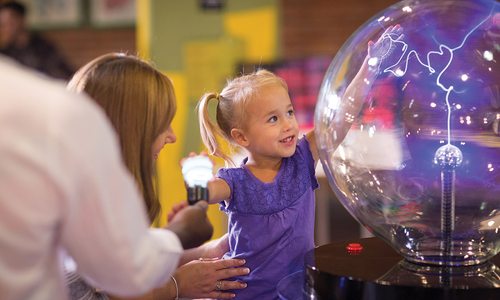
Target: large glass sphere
[(407, 125)]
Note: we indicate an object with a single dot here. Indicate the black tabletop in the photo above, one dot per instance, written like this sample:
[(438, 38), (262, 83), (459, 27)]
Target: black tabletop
[(370, 269)]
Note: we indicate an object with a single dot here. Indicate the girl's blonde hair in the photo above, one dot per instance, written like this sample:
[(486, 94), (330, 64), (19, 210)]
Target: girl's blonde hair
[(140, 102), (231, 106)]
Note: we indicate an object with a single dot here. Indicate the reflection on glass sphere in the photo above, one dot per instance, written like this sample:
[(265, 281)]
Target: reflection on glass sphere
[(407, 128)]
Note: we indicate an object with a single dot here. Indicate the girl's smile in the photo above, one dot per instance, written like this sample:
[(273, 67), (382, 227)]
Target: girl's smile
[(289, 141)]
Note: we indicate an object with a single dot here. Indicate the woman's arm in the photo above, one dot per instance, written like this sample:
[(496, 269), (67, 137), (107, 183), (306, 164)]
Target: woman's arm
[(199, 279)]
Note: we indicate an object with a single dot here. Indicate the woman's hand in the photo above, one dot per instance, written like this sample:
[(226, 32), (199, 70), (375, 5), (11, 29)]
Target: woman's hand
[(191, 225), (202, 278), (175, 209), (206, 278)]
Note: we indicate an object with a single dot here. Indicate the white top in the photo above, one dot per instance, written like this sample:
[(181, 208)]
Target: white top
[(63, 187)]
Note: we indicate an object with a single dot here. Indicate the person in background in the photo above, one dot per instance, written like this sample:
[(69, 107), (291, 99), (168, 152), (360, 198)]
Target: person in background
[(140, 103), (64, 189), (29, 48)]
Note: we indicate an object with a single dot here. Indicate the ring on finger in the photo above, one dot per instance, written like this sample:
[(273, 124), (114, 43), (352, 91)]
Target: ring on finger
[(206, 259), (218, 285)]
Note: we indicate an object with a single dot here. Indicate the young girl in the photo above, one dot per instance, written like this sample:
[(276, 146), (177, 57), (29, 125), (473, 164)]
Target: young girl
[(270, 197)]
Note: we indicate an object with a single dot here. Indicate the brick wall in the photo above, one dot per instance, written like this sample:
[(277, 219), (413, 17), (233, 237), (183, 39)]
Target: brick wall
[(320, 27), (82, 45)]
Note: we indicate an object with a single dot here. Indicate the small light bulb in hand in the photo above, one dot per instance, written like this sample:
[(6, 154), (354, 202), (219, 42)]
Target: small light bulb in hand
[(197, 171)]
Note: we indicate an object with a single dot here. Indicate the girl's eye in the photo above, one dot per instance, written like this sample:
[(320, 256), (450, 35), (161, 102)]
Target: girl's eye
[(290, 112), (273, 119)]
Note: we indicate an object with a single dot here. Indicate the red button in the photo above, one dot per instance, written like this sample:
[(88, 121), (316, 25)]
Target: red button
[(354, 247)]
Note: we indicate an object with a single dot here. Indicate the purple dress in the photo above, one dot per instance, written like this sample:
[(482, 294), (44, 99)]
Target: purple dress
[(271, 225)]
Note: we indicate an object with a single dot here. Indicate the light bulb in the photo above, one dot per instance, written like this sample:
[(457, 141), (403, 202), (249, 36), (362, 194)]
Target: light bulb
[(197, 171)]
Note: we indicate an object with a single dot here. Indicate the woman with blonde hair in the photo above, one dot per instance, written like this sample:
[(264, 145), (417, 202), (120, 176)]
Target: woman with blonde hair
[(140, 103)]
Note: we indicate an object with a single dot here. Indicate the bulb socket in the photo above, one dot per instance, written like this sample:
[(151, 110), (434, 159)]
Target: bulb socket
[(196, 193)]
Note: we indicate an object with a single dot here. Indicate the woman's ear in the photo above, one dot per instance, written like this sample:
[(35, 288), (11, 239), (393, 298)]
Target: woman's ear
[(239, 137)]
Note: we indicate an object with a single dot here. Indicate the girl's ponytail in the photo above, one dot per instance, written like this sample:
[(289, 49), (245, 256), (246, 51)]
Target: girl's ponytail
[(210, 131)]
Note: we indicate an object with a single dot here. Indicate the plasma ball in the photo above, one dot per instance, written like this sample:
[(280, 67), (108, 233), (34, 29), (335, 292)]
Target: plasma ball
[(406, 126), (448, 156)]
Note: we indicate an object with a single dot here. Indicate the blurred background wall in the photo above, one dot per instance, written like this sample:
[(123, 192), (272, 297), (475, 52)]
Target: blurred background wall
[(307, 28), (200, 43)]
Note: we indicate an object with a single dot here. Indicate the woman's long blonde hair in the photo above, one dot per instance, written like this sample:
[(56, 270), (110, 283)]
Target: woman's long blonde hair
[(140, 102), (231, 106)]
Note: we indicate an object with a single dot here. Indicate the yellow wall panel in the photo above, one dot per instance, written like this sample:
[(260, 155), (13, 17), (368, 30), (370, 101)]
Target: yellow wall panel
[(143, 28), (258, 28), (208, 63)]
